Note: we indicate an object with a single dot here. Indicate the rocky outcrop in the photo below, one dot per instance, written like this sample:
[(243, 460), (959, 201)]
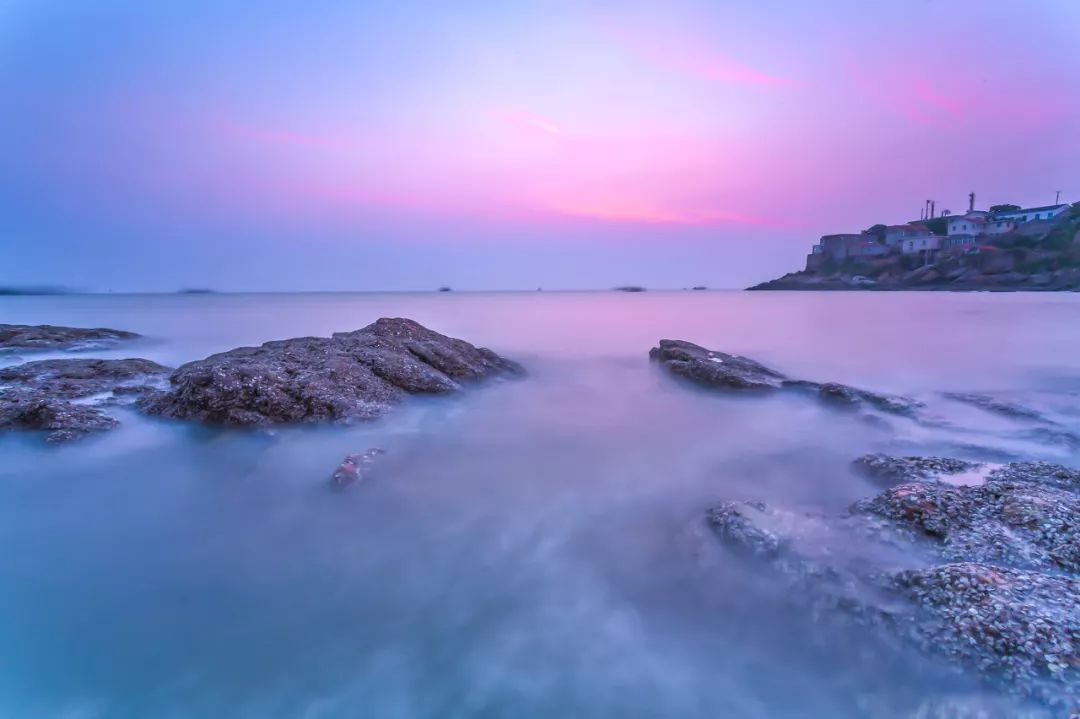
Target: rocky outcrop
[(50, 337), (1001, 596), (59, 396), (350, 376), (720, 370), (355, 467), (715, 369)]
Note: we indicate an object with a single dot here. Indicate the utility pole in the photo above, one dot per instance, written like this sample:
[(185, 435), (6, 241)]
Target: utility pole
[(1057, 198), (933, 206)]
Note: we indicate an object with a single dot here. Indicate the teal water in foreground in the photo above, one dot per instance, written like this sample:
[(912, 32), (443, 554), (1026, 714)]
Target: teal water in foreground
[(527, 549)]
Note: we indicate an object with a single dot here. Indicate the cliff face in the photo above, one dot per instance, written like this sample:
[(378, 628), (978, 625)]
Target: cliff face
[(1045, 260)]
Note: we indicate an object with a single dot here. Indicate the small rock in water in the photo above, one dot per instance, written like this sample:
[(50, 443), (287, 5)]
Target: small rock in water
[(354, 467)]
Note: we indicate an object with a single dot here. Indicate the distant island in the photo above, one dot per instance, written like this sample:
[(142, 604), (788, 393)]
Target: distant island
[(1004, 248), (630, 288)]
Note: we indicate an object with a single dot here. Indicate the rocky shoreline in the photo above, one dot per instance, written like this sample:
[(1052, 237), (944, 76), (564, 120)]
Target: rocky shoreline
[(350, 376), (973, 562), (976, 563)]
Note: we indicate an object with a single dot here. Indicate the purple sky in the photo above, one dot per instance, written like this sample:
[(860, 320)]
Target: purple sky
[(341, 145)]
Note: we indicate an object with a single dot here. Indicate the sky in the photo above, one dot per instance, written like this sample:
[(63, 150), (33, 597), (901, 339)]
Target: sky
[(397, 145)]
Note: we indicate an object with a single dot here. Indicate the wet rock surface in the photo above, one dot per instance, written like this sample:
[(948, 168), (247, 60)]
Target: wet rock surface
[(1016, 625), (350, 376), (1020, 516), (58, 396), (991, 578), (51, 337), (720, 370), (63, 421), (355, 467), (715, 369), (75, 378)]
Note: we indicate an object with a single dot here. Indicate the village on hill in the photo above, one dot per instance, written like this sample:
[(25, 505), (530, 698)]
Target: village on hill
[(1003, 247)]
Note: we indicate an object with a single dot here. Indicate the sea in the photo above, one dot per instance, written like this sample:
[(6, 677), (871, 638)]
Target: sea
[(533, 548)]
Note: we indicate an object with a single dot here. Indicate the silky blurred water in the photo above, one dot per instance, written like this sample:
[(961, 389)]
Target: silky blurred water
[(527, 549)]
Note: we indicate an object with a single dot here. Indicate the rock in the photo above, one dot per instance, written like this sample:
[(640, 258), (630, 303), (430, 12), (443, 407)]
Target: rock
[(74, 378), (50, 337), (739, 525), (40, 394), (842, 394), (1025, 514), (354, 467), (64, 421), (724, 371), (996, 406), (349, 376), (1013, 624), (715, 369), (890, 469)]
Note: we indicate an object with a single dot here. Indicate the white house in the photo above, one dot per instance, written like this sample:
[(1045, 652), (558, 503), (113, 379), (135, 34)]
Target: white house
[(896, 234), (970, 224), (917, 245), (1047, 212)]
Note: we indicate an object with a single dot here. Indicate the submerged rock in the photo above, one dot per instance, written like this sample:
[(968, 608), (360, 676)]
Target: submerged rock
[(997, 406), (349, 376), (886, 468), (51, 395), (64, 421), (844, 395), (355, 467), (724, 371), (75, 378), (51, 337), (739, 525)]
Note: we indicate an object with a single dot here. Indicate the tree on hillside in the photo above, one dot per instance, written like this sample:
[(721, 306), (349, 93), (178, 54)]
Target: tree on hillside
[(876, 231), (1005, 208), (938, 225)]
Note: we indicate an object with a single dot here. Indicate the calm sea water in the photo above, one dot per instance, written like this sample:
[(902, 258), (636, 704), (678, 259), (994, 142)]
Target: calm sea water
[(528, 549)]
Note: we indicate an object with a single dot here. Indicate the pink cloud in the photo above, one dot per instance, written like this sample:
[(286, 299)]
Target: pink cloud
[(690, 55)]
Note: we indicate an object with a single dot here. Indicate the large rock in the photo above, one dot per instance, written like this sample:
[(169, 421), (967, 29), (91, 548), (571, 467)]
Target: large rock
[(349, 376), (720, 370), (51, 337)]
